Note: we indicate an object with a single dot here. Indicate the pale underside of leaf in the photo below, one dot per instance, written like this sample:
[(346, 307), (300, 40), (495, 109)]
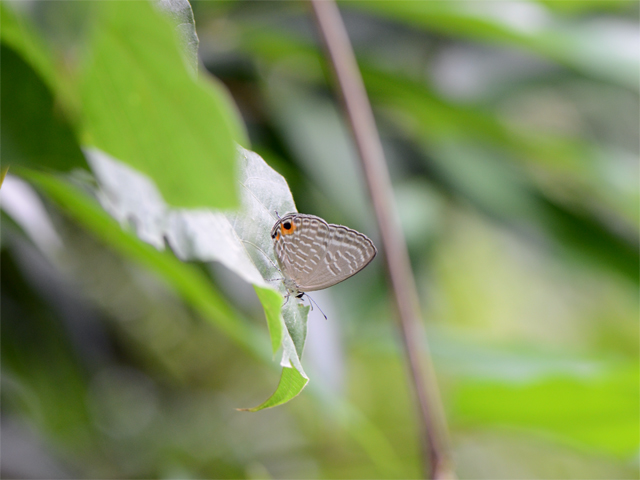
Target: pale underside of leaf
[(239, 240)]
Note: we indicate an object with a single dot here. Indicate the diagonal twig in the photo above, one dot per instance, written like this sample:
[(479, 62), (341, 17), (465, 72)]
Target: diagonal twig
[(360, 116)]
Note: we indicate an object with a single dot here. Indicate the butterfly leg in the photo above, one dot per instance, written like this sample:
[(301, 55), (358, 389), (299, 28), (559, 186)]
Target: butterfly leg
[(286, 300)]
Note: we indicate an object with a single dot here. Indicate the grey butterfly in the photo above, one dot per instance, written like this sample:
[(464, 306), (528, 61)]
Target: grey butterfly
[(314, 254)]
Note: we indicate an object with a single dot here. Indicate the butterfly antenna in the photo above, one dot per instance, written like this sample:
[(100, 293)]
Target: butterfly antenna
[(312, 301)]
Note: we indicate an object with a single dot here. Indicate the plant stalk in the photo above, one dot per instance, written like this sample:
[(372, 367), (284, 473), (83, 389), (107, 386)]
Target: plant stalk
[(360, 116)]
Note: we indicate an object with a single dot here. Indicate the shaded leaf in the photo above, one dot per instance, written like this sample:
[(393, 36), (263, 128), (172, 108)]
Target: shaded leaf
[(189, 282), (37, 360), (34, 129), (16, 33)]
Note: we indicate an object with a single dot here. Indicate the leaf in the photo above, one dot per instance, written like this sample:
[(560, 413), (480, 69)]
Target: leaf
[(291, 383), (560, 405), (3, 174), (239, 240), (34, 130), (143, 106), (15, 32), (529, 27), (182, 16)]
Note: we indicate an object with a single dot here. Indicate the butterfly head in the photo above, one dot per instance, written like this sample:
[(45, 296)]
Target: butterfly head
[(284, 226)]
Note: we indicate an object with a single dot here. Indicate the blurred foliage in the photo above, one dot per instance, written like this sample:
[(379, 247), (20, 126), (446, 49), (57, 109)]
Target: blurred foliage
[(511, 131), (28, 136)]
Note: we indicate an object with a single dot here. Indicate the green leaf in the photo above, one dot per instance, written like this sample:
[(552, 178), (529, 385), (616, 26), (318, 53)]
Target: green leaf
[(291, 384), (17, 33), (3, 173), (494, 23), (182, 16), (142, 105), (579, 8), (34, 130), (240, 240), (559, 405)]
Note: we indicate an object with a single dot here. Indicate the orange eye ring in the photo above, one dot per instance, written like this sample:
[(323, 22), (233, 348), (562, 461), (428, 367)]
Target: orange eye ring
[(288, 227)]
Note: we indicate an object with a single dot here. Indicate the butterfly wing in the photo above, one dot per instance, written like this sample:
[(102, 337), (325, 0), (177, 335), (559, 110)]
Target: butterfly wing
[(300, 252), (345, 254)]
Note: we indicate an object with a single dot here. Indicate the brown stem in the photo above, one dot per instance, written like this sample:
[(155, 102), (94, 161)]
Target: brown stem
[(360, 116)]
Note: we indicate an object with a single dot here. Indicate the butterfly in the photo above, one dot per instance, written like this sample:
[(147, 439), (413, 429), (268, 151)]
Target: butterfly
[(314, 254)]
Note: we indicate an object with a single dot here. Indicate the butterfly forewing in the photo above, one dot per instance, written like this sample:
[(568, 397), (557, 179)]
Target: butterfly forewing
[(300, 253)]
